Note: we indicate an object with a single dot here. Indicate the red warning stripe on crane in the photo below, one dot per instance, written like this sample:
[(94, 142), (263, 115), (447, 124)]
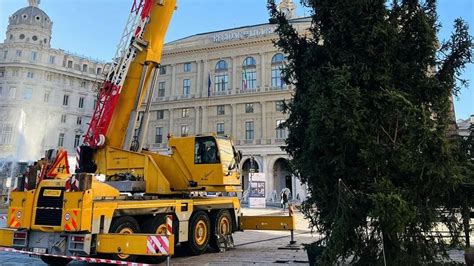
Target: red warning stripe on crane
[(86, 259)]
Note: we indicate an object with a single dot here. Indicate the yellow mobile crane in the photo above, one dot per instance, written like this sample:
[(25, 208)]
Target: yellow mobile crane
[(148, 201)]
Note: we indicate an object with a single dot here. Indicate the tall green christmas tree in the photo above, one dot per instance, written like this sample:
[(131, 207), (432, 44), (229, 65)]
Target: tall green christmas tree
[(369, 126)]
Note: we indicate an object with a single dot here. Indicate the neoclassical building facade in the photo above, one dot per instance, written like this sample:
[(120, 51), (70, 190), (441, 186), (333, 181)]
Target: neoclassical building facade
[(229, 82), (46, 94)]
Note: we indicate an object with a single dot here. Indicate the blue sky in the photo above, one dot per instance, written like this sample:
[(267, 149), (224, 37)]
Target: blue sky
[(93, 27)]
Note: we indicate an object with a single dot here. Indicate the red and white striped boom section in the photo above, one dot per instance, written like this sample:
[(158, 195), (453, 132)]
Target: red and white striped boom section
[(109, 93)]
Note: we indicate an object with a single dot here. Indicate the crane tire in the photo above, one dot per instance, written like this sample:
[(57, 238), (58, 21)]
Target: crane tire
[(221, 224), (155, 225), (198, 234), (124, 225)]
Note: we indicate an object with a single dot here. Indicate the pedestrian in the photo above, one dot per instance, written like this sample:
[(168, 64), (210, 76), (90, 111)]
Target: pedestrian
[(284, 199)]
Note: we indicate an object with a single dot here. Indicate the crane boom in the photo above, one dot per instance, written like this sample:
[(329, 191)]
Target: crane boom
[(141, 43)]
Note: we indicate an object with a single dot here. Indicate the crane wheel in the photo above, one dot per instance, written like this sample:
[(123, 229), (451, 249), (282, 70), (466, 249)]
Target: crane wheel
[(198, 234), (221, 221), (124, 225), (155, 225)]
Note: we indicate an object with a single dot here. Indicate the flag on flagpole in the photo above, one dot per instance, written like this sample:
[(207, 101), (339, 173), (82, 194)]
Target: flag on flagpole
[(209, 85), (244, 78)]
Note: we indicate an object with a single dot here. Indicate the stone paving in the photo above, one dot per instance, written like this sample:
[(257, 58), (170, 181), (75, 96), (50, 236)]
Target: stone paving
[(251, 248)]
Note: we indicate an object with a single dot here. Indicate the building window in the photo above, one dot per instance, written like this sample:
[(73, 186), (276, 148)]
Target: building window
[(159, 135), (66, 100), (1, 91), (61, 140), (81, 102), (30, 75), (51, 59), (69, 64), (277, 78), (2, 73), (46, 96), (95, 103), (15, 73), (186, 87), (185, 113), (249, 108), (221, 65), (184, 130), (221, 110), (278, 58), (77, 140), (84, 68), (279, 106), (6, 130), (18, 53), (63, 118), (83, 84), (161, 89), (277, 75), (5, 54), (280, 129), (249, 130), (34, 55), (163, 70), (187, 67), (12, 93), (79, 120), (160, 114), (27, 94), (249, 74), (220, 129), (99, 71), (249, 79), (221, 81)]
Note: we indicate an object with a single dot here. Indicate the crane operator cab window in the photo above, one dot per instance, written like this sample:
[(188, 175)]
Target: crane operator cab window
[(205, 151)]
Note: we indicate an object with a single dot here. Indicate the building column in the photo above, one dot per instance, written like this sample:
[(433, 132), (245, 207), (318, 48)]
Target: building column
[(196, 111), (199, 79), (264, 123), (269, 191), (173, 80), (204, 118), (171, 125), (262, 72), (234, 121), (234, 75), (205, 77)]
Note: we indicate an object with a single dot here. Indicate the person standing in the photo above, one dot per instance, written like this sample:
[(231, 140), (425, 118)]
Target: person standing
[(284, 199)]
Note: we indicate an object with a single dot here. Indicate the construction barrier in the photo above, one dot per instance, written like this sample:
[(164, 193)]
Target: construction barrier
[(85, 259)]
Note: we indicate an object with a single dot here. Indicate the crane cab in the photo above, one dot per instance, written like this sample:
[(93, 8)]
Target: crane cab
[(204, 163)]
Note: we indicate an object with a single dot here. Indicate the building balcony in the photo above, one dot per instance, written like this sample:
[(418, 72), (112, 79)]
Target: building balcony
[(249, 90), (273, 142)]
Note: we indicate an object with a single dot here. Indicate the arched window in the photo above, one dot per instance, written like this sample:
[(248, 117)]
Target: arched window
[(249, 74), (221, 80), (277, 75), (249, 62), (221, 65)]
